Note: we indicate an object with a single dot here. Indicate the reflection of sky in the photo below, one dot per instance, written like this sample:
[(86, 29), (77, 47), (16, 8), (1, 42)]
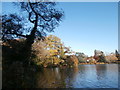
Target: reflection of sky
[(86, 26), (97, 76)]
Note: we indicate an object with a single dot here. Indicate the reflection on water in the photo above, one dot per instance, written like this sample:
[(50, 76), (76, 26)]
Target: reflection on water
[(84, 76), (101, 71)]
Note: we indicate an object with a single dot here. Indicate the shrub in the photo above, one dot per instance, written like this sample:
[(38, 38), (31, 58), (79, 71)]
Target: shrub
[(102, 58), (72, 60)]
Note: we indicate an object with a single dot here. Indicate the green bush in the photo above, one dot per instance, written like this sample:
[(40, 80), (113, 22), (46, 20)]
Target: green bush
[(102, 58)]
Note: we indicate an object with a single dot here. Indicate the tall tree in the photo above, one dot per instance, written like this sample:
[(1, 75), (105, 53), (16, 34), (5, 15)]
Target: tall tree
[(43, 16), (54, 45)]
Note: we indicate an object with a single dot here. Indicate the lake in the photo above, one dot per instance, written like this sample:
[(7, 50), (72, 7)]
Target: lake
[(83, 76)]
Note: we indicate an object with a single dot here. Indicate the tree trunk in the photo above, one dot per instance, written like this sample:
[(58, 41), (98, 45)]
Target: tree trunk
[(31, 37), (29, 41)]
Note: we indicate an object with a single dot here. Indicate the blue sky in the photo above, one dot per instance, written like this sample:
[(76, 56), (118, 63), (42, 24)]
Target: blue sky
[(86, 26)]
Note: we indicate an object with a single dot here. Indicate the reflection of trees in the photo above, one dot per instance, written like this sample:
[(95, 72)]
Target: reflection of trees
[(118, 75), (82, 68), (55, 77), (50, 78), (101, 71), (83, 72), (69, 75), (16, 76), (0, 65)]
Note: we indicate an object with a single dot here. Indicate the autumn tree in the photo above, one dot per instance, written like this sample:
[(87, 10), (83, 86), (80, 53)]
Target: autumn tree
[(39, 53), (72, 60), (48, 52), (68, 50), (54, 45), (111, 57)]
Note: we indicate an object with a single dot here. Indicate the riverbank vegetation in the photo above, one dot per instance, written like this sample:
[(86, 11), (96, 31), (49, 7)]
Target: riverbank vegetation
[(51, 52)]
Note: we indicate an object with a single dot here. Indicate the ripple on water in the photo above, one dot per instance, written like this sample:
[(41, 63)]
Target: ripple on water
[(85, 76)]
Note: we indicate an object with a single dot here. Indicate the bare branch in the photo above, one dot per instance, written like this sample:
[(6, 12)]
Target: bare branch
[(17, 34), (45, 18), (32, 21)]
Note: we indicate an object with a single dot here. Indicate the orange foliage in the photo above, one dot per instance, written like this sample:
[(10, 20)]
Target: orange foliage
[(72, 60)]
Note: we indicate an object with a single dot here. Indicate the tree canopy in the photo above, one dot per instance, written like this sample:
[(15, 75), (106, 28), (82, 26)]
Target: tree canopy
[(43, 16), (12, 26)]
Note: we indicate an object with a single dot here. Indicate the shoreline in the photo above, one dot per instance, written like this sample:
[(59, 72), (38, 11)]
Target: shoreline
[(98, 63)]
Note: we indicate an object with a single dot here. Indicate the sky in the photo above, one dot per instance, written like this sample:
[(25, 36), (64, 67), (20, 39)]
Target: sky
[(86, 26)]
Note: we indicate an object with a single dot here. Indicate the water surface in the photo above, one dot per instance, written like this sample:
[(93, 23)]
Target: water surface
[(83, 76)]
